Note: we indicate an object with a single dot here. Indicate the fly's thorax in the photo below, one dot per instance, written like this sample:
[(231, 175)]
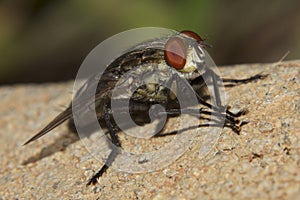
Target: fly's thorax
[(156, 79), (150, 81)]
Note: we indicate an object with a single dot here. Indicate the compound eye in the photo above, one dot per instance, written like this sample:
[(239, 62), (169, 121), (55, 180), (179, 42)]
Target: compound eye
[(193, 35), (175, 53)]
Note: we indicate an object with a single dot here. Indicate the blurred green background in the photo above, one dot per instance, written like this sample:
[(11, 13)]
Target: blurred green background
[(46, 40)]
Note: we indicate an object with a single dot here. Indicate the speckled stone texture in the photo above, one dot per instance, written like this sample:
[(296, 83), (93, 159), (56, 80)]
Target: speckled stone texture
[(263, 162)]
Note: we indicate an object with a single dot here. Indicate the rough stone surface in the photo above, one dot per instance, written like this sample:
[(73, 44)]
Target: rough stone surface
[(263, 162)]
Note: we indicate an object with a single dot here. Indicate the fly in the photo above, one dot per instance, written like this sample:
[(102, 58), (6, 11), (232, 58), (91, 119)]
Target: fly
[(179, 56)]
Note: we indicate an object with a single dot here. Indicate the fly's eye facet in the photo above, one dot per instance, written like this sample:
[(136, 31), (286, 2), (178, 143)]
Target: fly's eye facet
[(175, 52), (193, 35)]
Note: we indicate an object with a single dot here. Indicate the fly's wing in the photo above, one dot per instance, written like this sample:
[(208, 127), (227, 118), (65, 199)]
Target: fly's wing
[(86, 94), (65, 115), (85, 99)]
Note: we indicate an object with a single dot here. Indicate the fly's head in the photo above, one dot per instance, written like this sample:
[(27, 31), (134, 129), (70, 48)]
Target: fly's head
[(183, 56), (185, 53)]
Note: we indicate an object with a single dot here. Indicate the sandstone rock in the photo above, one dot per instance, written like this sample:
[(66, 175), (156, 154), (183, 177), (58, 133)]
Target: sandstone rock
[(261, 163)]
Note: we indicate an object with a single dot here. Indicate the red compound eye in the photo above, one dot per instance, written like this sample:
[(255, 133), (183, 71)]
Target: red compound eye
[(193, 35), (175, 52)]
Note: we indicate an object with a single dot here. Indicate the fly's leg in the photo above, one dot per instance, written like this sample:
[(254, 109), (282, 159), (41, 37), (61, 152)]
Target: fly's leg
[(109, 125), (216, 88), (243, 81), (93, 180), (232, 82), (114, 138), (219, 110), (229, 121)]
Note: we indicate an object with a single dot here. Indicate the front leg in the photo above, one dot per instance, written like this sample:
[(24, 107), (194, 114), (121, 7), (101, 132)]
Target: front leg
[(232, 82)]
